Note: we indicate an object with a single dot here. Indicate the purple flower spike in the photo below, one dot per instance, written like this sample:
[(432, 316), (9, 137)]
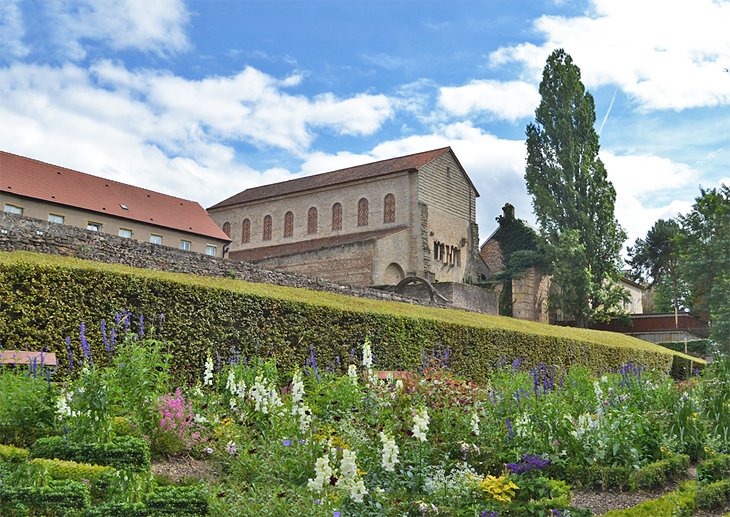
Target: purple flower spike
[(141, 325)]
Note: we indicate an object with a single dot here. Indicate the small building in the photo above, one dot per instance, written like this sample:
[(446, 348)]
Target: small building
[(56, 194), (372, 224)]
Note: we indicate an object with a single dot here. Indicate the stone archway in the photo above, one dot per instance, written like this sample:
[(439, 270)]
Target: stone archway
[(393, 274)]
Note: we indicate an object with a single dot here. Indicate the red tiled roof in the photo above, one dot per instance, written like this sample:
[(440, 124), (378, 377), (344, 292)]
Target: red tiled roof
[(359, 172), (53, 184), (280, 250)]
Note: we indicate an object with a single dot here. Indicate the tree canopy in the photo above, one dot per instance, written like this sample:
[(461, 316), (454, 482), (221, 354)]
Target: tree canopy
[(572, 196)]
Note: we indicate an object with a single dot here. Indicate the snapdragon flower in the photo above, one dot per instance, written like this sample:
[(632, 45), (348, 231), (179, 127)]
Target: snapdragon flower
[(349, 479), (475, 424), (322, 474), (420, 424), (390, 452), (305, 417), (352, 373), (367, 357), (297, 390), (208, 374)]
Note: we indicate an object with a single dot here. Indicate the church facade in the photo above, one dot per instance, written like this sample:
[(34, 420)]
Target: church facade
[(372, 224)]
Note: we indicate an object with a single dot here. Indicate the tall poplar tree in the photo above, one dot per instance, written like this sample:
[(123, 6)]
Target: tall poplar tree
[(572, 196)]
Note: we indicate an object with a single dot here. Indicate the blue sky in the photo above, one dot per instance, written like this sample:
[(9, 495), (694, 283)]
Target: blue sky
[(201, 99)]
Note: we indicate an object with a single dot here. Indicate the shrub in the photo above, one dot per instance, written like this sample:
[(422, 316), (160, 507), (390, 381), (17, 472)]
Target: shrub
[(56, 498), (13, 454), (715, 468), (713, 495), (61, 469), (172, 500), (27, 405), (124, 453), (679, 503), (117, 510), (659, 472), (599, 477), (265, 320)]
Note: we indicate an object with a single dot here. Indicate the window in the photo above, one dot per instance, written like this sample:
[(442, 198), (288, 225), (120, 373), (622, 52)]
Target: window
[(94, 227), (227, 228), (246, 231), (53, 218), (12, 209), (211, 250), (362, 212), (125, 232), (337, 216), (185, 245), (389, 209), (267, 228), (155, 239), (312, 220), (288, 224)]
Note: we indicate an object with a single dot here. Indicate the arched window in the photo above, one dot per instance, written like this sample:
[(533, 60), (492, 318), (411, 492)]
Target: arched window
[(288, 224), (362, 212), (267, 228), (337, 216), (389, 209), (312, 220), (227, 228), (246, 231)]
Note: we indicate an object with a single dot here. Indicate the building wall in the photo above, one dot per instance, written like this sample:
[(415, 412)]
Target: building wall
[(110, 225), (350, 264), (443, 185), (530, 291), (374, 190), (636, 302)]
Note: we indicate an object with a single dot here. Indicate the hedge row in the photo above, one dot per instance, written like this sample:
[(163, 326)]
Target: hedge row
[(123, 453), (714, 468), (44, 299), (651, 475)]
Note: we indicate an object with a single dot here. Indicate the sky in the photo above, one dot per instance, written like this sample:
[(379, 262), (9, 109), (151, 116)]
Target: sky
[(202, 99)]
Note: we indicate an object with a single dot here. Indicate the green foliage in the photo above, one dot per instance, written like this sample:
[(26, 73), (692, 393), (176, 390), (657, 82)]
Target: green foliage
[(656, 258), (600, 477), (11, 454), (27, 406), (45, 298), (177, 501), (124, 453), (90, 416), (713, 495), (55, 499), (655, 474), (60, 469), (714, 468), (679, 503), (572, 196), (117, 510), (705, 258)]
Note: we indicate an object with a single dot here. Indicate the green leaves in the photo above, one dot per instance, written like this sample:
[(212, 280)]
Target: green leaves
[(572, 196)]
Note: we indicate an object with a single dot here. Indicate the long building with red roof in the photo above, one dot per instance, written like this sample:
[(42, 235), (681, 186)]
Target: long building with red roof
[(36, 189), (371, 224)]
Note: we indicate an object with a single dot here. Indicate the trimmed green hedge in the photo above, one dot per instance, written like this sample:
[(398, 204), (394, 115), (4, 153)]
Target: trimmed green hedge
[(56, 498), (679, 503), (649, 476), (714, 468), (62, 469), (44, 298), (11, 454), (123, 453)]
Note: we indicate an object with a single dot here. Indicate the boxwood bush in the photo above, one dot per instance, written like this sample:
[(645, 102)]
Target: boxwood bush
[(123, 453), (45, 297)]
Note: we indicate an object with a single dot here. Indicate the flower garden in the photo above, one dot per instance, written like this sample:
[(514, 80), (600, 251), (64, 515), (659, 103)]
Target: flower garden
[(344, 439)]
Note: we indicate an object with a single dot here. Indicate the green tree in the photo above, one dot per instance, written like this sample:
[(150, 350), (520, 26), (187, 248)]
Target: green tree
[(705, 259), (572, 196), (656, 259)]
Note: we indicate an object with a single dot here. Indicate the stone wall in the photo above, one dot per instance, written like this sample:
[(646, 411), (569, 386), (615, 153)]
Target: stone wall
[(462, 296), (25, 233)]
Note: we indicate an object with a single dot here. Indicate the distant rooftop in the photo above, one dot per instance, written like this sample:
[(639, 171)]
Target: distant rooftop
[(38, 180)]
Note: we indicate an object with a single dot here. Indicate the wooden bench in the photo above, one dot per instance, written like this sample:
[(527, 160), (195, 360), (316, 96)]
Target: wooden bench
[(25, 357)]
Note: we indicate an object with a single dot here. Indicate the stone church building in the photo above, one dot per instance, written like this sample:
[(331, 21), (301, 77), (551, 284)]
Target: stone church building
[(371, 224)]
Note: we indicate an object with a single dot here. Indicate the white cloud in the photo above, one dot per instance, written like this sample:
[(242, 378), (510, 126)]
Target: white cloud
[(646, 189), (165, 132), (509, 100), (665, 54), (12, 30), (152, 26)]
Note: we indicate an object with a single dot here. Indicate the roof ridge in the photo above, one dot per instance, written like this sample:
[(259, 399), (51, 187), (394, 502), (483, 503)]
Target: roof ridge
[(69, 169)]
